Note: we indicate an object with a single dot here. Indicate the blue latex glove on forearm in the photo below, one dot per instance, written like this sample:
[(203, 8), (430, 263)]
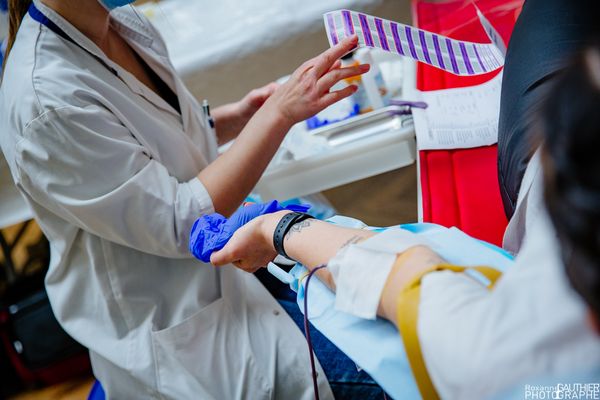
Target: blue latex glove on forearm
[(211, 232)]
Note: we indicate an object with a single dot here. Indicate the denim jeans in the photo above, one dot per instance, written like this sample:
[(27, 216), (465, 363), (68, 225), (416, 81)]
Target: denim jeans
[(346, 381)]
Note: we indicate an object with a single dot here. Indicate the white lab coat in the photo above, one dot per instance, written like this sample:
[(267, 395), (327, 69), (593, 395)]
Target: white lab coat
[(109, 169)]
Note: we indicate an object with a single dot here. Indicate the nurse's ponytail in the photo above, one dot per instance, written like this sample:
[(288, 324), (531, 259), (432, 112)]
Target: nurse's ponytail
[(16, 11)]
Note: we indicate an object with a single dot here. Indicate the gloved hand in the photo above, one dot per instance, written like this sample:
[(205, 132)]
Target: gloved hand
[(212, 232)]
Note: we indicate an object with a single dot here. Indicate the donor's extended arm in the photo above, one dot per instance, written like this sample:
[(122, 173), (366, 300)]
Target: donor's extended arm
[(313, 243)]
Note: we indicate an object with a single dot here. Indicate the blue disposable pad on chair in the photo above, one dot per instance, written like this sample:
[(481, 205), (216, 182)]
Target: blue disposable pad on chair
[(376, 345)]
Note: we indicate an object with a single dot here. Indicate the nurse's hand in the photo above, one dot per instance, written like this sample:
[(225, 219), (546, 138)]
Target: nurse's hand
[(254, 100), (230, 178), (231, 118), (307, 92)]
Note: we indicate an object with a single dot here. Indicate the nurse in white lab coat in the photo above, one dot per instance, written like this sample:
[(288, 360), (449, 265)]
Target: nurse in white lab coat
[(114, 157)]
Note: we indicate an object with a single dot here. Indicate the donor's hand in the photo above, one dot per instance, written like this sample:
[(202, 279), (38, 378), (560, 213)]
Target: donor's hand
[(251, 246)]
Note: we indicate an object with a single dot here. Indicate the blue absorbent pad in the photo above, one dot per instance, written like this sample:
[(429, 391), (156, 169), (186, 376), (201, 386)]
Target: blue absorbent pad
[(376, 345), (211, 232)]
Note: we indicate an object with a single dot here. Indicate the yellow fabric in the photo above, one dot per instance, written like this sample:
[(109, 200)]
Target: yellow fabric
[(408, 315)]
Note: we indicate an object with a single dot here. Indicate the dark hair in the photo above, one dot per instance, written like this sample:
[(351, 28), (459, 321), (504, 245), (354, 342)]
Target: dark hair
[(571, 158), (16, 11)]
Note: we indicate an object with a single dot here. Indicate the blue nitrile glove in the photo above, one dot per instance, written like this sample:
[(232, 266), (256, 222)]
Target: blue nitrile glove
[(211, 232)]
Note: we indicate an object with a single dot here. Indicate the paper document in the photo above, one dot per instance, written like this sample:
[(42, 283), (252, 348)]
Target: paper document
[(459, 118)]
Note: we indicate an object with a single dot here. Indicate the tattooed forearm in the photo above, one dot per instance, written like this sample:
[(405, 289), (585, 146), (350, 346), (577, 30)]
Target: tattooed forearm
[(298, 227), (353, 240)]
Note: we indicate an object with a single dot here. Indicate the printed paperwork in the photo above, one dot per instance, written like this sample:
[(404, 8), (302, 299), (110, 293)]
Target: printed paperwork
[(459, 118)]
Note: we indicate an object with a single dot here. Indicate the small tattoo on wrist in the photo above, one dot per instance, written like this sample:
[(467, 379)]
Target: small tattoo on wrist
[(298, 227)]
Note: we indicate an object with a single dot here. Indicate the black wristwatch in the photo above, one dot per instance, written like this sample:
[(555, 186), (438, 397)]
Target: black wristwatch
[(283, 227)]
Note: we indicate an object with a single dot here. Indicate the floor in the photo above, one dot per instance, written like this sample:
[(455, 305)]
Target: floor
[(77, 389), (382, 200)]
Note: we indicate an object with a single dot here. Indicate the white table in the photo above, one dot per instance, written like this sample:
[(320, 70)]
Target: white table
[(347, 163), (340, 165)]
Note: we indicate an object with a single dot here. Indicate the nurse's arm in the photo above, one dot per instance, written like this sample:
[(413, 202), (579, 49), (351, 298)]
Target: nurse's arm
[(91, 172), (234, 174), (313, 243)]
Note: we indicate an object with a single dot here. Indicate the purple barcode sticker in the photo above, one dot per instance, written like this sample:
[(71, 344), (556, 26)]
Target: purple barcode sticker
[(455, 56), (332, 30)]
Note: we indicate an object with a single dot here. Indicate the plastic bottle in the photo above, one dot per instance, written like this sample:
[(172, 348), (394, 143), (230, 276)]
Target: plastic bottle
[(373, 83), (360, 97)]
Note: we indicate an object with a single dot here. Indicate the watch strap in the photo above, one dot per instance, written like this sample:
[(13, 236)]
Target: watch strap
[(283, 227)]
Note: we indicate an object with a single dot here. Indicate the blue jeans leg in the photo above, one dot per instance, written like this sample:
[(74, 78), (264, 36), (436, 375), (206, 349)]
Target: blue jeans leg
[(346, 381)]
